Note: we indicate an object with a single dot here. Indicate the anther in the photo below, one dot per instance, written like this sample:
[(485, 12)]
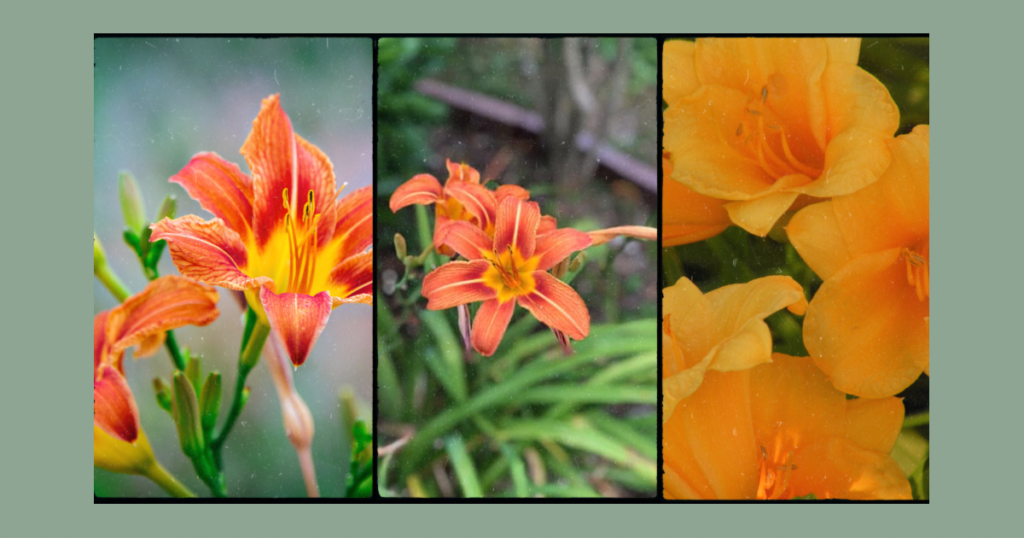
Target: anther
[(764, 94)]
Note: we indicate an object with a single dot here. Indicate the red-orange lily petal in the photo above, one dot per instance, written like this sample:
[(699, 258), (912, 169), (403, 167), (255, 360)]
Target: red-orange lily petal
[(779, 431), (504, 191), (422, 189), (771, 119), (867, 326), (507, 268), (490, 323), (294, 237), (456, 283), (461, 172), (557, 305), (477, 201), (114, 408), (721, 331), (605, 235), (298, 319)]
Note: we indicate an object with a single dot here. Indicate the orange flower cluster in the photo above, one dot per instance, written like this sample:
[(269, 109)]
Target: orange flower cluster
[(511, 255), (756, 128)]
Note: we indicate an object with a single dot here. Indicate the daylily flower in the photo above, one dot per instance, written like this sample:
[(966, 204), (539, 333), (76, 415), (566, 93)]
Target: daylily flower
[(142, 320), (688, 217), (281, 237), (759, 122), (511, 267), (462, 198), (779, 431), (867, 326), (722, 331)]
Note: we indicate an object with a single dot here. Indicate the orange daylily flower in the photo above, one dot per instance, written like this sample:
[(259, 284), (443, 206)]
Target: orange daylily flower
[(867, 326), (462, 198), (722, 331), (142, 320), (511, 267), (282, 237), (758, 122), (688, 217), (779, 431)]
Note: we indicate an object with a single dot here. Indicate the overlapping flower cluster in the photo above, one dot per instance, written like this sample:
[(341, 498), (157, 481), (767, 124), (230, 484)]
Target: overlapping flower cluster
[(756, 129), (511, 254)]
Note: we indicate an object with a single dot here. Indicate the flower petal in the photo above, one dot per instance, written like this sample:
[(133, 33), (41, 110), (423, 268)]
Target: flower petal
[(354, 230), (759, 215), (556, 246), (114, 408), (469, 241), (220, 188), (318, 170), (422, 189), (461, 173), (279, 161), (298, 319), (516, 226), (874, 423), (476, 199), (793, 404), (353, 276), (679, 70), (837, 468), (490, 323), (99, 339), (166, 303), (456, 283), (504, 191), (605, 235), (867, 329), (687, 216), (119, 456), (362, 298), (557, 305), (816, 235), (547, 224), (207, 252)]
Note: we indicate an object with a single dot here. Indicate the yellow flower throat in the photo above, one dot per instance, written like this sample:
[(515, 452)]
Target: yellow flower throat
[(509, 274), (753, 135)]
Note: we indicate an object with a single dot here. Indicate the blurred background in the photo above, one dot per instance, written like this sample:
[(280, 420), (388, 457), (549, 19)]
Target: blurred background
[(901, 64), (575, 122), (157, 102)]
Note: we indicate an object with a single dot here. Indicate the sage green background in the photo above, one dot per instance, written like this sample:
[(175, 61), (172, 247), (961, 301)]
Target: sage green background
[(977, 190)]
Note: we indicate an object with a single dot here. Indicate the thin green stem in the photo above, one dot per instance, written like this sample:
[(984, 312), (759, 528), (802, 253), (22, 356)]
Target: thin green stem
[(246, 361), (166, 480), (112, 282), (172, 348), (920, 419)]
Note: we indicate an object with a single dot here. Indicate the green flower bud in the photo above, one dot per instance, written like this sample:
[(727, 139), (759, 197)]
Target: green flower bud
[(163, 393), (132, 206), (168, 208), (209, 401), (99, 258), (186, 416), (194, 371), (400, 246)]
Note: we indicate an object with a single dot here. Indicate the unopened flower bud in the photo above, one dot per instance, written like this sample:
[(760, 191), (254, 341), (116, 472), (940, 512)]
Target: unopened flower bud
[(400, 246), (163, 393), (209, 401), (168, 208), (186, 416), (132, 205)]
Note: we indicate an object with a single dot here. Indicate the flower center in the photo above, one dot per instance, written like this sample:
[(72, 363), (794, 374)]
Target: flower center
[(757, 135), (302, 243), (510, 275), (773, 479), (917, 270)]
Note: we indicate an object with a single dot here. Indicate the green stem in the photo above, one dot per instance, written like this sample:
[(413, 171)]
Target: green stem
[(172, 348), (920, 419), (113, 283), (166, 480), (248, 358)]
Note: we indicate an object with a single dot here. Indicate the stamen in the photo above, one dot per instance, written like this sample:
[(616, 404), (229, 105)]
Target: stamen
[(804, 169), (917, 272), (764, 94), (739, 130)]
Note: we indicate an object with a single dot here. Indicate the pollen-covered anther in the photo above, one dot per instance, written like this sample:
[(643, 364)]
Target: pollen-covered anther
[(302, 244), (917, 271)]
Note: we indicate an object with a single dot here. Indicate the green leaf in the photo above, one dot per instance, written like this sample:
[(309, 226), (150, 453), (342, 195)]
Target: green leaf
[(465, 472)]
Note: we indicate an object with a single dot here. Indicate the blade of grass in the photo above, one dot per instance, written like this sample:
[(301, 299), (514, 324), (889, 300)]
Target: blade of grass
[(449, 352), (586, 394), (464, 469)]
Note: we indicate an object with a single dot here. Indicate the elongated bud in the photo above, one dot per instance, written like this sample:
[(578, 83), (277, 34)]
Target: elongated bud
[(132, 206), (99, 257), (194, 370), (209, 401), (577, 262), (466, 328), (168, 208), (349, 409), (186, 416), (400, 247), (163, 393)]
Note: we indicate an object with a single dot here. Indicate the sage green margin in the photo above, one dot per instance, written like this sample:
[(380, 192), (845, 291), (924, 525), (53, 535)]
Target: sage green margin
[(977, 197)]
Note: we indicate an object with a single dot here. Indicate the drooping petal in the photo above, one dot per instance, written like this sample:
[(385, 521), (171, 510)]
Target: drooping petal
[(354, 230), (114, 408), (557, 305), (556, 246), (166, 303), (279, 161), (816, 235), (476, 199), (490, 323), (119, 456), (759, 215), (605, 235), (679, 70), (867, 329), (467, 240), (517, 226), (298, 319), (220, 188), (208, 252), (456, 283), (353, 276), (836, 468), (422, 189), (874, 423)]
